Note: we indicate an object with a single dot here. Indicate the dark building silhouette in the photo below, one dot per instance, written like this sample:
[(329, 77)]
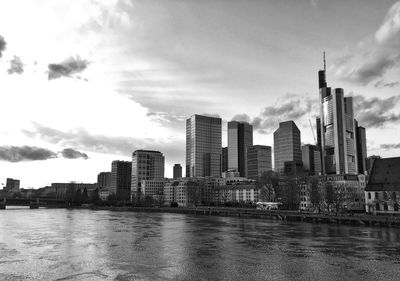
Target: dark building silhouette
[(240, 136), (177, 171), (259, 160), (121, 179), (12, 185), (224, 159), (104, 180), (287, 145), (311, 157), (361, 141)]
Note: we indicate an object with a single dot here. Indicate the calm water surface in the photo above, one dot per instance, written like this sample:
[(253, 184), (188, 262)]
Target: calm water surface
[(59, 244)]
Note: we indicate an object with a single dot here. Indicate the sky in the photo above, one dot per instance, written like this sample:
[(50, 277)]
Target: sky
[(83, 83)]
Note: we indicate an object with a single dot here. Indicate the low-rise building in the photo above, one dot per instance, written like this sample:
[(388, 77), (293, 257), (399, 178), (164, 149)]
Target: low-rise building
[(153, 188), (382, 194)]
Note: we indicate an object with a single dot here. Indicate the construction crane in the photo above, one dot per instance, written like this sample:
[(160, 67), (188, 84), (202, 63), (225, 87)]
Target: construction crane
[(312, 130)]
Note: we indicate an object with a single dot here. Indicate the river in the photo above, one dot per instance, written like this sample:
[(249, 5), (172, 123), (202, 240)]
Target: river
[(60, 244)]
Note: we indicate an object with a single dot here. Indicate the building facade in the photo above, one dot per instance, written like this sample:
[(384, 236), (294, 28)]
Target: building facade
[(203, 146), (337, 130), (259, 160), (240, 137), (177, 171), (361, 145), (382, 194), (311, 157), (146, 165), (287, 145), (12, 185), (224, 164), (104, 180), (120, 185)]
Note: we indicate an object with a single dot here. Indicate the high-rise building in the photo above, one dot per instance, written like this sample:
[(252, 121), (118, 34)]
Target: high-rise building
[(240, 136), (146, 165), (104, 180), (337, 130), (224, 159), (121, 179), (287, 145), (203, 146), (259, 160), (311, 159), (12, 185), (361, 144), (177, 171)]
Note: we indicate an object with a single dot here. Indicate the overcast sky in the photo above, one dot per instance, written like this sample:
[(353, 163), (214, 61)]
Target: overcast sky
[(83, 83)]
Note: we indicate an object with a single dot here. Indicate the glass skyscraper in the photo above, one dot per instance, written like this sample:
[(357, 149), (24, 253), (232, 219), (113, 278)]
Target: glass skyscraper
[(203, 146), (258, 161), (240, 136), (337, 130), (287, 145)]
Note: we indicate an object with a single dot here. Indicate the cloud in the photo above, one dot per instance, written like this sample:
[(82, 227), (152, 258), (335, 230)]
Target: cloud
[(384, 84), (67, 68), (70, 153), (25, 153), (290, 107), (105, 144), (3, 45), (16, 66), (388, 146), (375, 112), (374, 57), (33, 153)]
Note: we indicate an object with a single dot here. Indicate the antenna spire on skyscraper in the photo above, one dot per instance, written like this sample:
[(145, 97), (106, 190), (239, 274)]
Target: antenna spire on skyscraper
[(324, 62)]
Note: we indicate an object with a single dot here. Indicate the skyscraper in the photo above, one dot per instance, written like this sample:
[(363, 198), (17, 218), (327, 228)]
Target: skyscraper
[(240, 136), (259, 160), (224, 159), (104, 180), (337, 130), (361, 143), (311, 159), (287, 145), (203, 146), (177, 173), (121, 179), (146, 165)]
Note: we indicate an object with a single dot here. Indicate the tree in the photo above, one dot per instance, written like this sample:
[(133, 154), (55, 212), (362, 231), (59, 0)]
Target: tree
[(315, 194), (267, 193), (85, 196), (329, 194), (94, 196)]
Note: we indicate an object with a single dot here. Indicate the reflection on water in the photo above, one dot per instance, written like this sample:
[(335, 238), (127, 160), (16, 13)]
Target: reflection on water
[(58, 244)]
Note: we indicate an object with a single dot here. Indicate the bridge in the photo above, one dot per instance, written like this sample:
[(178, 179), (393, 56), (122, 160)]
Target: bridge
[(33, 203)]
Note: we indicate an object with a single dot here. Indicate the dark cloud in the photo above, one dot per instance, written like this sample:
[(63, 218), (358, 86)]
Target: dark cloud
[(375, 112), (25, 153), (16, 66), (70, 153), (33, 153), (123, 146), (383, 84), (291, 107), (388, 146), (3, 45), (67, 68)]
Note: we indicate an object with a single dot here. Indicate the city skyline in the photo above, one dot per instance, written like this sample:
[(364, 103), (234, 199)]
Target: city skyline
[(77, 111)]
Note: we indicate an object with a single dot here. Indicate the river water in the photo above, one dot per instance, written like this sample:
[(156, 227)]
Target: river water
[(59, 244)]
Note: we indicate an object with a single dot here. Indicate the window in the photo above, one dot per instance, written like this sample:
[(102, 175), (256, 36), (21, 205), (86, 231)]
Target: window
[(376, 196), (385, 206), (396, 207), (377, 207), (369, 195), (394, 196)]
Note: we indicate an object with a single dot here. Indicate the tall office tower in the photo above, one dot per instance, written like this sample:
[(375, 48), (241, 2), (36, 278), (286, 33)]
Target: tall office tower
[(203, 146), (224, 159), (146, 165), (311, 159), (240, 136), (287, 145), (104, 180), (338, 146), (259, 160), (121, 179), (177, 171), (361, 144)]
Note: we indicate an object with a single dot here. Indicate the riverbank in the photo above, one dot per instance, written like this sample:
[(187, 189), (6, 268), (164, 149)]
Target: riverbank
[(359, 219)]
